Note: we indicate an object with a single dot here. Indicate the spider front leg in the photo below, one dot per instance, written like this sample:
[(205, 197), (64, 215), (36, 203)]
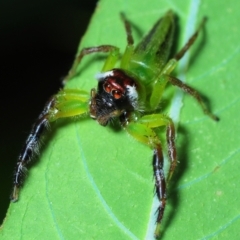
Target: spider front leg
[(112, 50), (142, 130), (109, 63), (66, 103)]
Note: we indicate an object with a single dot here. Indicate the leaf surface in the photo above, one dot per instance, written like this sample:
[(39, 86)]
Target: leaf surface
[(96, 183)]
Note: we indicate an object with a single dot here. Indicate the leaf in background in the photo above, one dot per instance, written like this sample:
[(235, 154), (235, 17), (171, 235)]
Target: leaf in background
[(96, 183)]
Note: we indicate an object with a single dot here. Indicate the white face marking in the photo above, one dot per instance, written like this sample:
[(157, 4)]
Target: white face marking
[(133, 95), (100, 76), (132, 92)]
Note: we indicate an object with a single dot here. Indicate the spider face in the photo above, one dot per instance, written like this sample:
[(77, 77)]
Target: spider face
[(140, 78), (116, 94)]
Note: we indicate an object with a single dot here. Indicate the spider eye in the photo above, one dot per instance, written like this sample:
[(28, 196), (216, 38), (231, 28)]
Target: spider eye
[(116, 94), (107, 87)]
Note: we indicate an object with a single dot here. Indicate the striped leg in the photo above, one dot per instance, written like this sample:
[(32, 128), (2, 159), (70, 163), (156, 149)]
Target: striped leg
[(66, 103)]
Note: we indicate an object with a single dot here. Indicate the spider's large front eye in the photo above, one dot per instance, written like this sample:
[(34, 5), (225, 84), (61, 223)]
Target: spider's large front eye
[(112, 88), (107, 87), (116, 94)]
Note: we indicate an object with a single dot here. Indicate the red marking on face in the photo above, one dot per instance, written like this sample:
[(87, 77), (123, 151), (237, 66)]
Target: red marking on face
[(117, 84), (112, 87)]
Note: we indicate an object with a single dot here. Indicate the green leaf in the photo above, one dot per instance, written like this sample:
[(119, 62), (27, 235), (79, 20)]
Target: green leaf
[(96, 183)]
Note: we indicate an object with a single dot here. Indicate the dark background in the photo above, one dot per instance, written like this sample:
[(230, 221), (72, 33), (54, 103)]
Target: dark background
[(38, 40)]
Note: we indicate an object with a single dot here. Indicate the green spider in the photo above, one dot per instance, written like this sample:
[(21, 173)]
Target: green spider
[(130, 92)]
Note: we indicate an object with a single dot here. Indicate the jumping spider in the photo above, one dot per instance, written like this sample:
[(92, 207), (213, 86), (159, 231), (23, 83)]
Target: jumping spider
[(130, 92)]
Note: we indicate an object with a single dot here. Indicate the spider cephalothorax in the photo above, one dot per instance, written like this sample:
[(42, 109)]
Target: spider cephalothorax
[(115, 95)]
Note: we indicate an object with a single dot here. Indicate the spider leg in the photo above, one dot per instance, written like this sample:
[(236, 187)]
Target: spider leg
[(109, 63), (66, 103), (127, 55), (190, 42), (164, 78), (113, 53), (162, 81), (29, 149), (128, 29), (160, 184), (157, 120), (142, 130), (176, 82), (170, 134)]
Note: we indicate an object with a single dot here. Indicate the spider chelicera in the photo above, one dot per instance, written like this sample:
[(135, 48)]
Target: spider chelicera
[(131, 92)]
